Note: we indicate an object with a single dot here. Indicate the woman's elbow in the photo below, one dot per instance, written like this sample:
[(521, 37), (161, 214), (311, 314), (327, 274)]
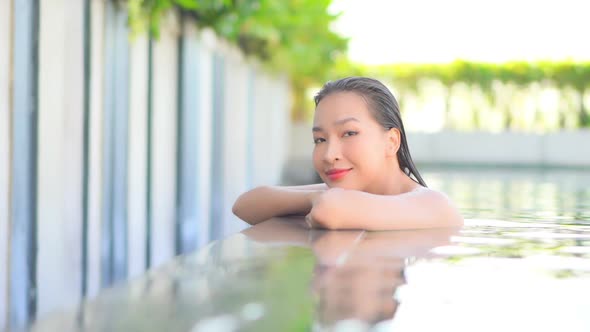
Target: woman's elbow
[(244, 217), (453, 217), (456, 219), (445, 213), (240, 210)]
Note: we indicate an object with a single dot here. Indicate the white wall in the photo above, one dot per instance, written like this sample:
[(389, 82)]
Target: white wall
[(300, 141), (96, 138), (60, 148), (137, 170), (280, 128), (262, 145), (165, 110), (447, 147), (272, 130), (571, 148), (553, 149), (5, 142), (207, 42), (235, 122), (59, 154)]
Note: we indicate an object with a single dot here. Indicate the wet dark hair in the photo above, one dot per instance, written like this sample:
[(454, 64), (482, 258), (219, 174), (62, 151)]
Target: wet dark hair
[(384, 108)]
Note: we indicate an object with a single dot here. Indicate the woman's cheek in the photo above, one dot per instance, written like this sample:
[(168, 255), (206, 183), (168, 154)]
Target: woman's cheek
[(316, 163)]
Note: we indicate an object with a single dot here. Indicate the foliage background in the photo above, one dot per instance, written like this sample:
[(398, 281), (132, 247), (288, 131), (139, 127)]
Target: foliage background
[(295, 36)]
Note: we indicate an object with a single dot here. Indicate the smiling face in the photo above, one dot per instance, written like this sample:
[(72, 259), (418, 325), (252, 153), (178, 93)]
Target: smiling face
[(352, 150)]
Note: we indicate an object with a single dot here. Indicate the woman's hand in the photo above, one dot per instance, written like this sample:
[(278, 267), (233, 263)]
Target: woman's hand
[(324, 209)]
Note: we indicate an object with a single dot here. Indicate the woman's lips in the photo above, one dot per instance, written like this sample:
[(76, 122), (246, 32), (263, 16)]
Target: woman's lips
[(337, 174)]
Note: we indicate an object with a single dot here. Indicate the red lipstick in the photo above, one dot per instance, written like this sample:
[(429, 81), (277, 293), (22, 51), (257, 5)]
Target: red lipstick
[(337, 173)]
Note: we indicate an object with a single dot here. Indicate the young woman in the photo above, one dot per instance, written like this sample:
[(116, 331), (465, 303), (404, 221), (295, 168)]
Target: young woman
[(361, 153)]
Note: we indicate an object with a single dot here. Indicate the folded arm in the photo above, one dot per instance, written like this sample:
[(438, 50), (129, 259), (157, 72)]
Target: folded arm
[(351, 209), (263, 203)]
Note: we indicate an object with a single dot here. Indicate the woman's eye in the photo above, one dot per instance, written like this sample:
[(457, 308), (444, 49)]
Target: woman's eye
[(318, 140), (350, 133)]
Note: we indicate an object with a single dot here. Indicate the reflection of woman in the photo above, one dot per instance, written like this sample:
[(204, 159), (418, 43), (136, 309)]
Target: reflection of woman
[(352, 285), (361, 153), (357, 273)]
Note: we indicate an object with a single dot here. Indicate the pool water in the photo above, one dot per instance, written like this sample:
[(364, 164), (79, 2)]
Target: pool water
[(521, 263), (558, 196)]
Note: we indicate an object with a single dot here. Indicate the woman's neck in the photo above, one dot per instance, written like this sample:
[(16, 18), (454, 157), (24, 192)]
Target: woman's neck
[(397, 183)]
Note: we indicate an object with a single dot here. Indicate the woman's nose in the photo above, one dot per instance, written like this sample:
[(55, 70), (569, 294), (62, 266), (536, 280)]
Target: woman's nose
[(333, 152)]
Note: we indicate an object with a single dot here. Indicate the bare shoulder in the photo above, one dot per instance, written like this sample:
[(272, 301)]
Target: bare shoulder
[(429, 193), (437, 202)]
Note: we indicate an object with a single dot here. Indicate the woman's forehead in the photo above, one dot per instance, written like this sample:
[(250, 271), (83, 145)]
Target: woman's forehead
[(343, 100), (341, 105)]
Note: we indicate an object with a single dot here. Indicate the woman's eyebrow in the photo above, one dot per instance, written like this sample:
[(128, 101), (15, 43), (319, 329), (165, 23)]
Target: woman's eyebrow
[(337, 123), (345, 120)]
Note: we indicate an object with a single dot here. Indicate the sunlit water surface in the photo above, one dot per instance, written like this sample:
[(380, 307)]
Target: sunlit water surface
[(521, 263)]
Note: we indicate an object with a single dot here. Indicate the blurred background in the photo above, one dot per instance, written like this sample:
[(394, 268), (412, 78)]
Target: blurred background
[(128, 128)]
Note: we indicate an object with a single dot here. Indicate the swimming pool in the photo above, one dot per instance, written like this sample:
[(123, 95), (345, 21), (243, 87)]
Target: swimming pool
[(521, 263)]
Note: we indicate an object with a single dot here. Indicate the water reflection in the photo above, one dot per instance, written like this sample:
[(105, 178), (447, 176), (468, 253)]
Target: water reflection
[(276, 276), (356, 273)]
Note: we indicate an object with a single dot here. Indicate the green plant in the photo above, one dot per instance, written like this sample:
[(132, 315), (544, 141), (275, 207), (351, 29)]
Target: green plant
[(292, 36)]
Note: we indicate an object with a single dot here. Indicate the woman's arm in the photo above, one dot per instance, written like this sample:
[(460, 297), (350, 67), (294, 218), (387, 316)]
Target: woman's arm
[(263, 203), (351, 209), (313, 187)]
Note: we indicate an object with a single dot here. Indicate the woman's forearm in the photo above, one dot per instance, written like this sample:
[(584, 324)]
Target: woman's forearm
[(351, 209), (263, 203)]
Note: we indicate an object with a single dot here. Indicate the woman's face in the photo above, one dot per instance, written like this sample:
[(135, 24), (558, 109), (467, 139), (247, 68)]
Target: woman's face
[(351, 148)]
